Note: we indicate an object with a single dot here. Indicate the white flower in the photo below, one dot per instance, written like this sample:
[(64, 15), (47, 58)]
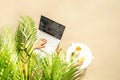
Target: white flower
[(79, 52)]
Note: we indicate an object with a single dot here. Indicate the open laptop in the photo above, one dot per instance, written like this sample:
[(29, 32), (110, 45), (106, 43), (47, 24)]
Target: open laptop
[(52, 31)]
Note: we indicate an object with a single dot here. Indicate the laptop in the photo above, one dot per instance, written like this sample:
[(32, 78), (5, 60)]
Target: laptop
[(52, 31)]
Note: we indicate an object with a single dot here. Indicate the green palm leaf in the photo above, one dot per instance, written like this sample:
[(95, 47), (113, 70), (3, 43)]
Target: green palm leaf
[(7, 64), (25, 38), (55, 68)]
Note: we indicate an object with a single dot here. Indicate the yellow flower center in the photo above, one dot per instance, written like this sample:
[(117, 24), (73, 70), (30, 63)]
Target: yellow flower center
[(81, 60), (78, 48)]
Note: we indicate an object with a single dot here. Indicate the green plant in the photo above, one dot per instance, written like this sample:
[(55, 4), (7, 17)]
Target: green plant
[(55, 68), (8, 67), (24, 39), (18, 60)]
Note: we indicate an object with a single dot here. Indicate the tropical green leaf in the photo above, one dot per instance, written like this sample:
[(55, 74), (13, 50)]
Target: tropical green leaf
[(55, 68), (7, 63), (26, 35)]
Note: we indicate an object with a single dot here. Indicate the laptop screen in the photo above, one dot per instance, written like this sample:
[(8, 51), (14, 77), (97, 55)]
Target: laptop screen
[(51, 27)]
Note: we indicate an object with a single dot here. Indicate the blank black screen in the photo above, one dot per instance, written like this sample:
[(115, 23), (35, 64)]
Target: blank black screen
[(51, 27)]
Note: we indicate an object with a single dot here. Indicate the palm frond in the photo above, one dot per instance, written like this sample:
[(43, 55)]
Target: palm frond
[(25, 34), (7, 67), (25, 38), (55, 68)]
